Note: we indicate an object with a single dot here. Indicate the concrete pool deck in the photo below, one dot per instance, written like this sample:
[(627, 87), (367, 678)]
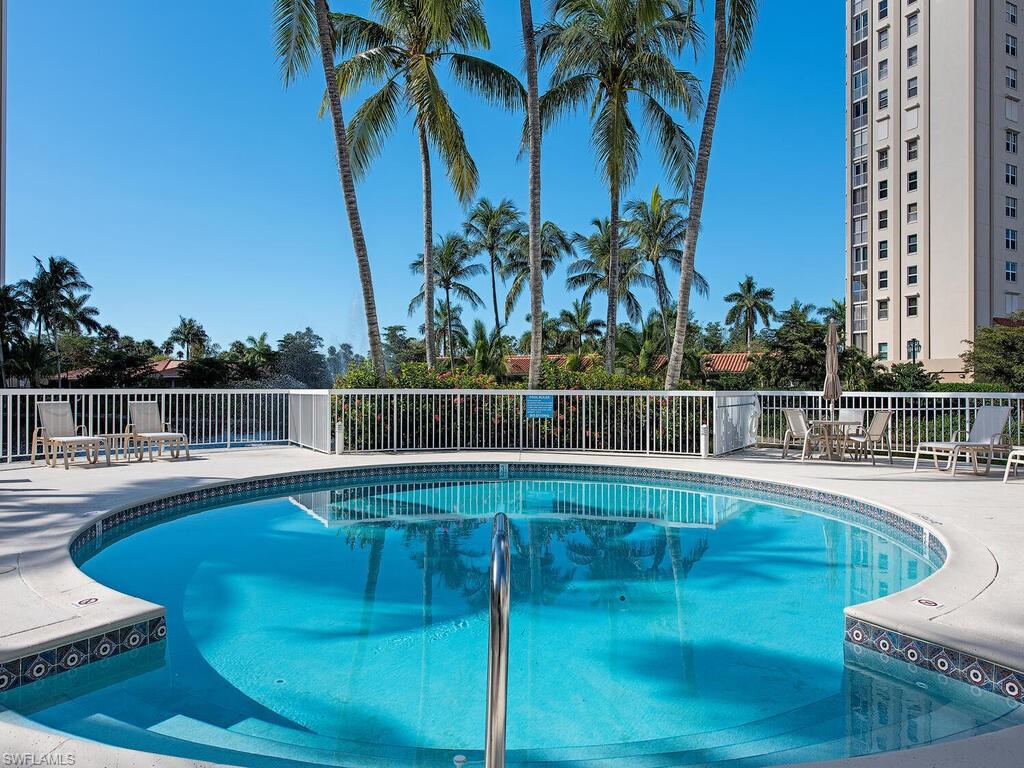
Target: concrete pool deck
[(978, 595)]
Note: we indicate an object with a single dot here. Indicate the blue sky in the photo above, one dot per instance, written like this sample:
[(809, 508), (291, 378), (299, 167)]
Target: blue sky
[(153, 145)]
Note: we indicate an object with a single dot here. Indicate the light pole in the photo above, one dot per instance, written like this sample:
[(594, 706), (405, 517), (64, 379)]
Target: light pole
[(914, 348)]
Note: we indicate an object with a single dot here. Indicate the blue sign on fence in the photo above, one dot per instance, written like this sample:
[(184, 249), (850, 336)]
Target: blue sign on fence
[(540, 406)]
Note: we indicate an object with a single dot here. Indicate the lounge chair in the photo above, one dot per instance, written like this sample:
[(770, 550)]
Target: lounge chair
[(984, 438), (147, 430), (877, 434), (1015, 459), (799, 429), (56, 431)]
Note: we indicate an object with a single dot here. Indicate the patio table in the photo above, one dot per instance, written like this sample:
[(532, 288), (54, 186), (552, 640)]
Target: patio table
[(835, 430)]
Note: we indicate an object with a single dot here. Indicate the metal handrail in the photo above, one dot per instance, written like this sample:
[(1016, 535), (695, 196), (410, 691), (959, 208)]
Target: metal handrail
[(497, 645)]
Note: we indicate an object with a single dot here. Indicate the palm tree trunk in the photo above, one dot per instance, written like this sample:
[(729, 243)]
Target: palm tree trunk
[(348, 187), (494, 287), (56, 349), (659, 286), (533, 122), (700, 180), (428, 240), (451, 341), (613, 281)]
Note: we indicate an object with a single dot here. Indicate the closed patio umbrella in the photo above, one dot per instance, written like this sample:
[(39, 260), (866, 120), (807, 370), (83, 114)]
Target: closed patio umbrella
[(833, 388)]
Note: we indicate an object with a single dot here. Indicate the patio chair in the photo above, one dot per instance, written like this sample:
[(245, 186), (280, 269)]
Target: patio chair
[(852, 415), (1015, 459), (56, 431), (877, 434), (984, 438), (147, 430), (799, 429)]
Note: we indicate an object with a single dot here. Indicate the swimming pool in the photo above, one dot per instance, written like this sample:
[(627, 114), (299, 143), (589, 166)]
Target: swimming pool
[(654, 622)]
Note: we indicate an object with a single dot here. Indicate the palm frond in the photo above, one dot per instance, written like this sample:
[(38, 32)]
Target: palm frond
[(295, 36), (489, 81), (371, 125)]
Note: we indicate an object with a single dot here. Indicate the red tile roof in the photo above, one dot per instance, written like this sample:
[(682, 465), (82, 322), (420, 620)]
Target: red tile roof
[(726, 362)]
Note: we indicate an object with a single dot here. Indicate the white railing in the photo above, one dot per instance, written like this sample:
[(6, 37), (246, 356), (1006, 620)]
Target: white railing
[(917, 416), (463, 419), (309, 419), (210, 418)]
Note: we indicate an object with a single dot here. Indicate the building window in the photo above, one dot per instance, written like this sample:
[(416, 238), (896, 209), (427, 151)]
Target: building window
[(912, 275), (883, 39), (912, 88), (1011, 141), (883, 159), (1012, 109), (912, 56), (883, 309), (912, 181), (883, 347), (883, 9), (860, 259), (1012, 303), (1011, 77), (883, 69), (911, 312), (1011, 45), (883, 249), (883, 190), (1011, 13), (911, 213), (912, 24), (1011, 271), (911, 243), (883, 98), (883, 219), (1011, 174), (912, 145), (1011, 239), (1011, 207)]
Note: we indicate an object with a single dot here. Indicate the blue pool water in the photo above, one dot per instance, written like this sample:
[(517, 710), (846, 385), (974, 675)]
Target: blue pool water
[(652, 625)]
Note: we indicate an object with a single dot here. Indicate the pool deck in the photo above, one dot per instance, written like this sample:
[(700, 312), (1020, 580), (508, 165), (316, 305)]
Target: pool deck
[(979, 594)]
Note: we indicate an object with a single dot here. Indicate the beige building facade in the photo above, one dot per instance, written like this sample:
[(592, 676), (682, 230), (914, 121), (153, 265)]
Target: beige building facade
[(935, 175)]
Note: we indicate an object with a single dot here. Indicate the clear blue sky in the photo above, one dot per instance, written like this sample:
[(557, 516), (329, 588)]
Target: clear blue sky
[(153, 145)]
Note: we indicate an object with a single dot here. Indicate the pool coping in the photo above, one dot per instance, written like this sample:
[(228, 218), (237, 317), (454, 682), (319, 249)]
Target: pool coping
[(886, 625)]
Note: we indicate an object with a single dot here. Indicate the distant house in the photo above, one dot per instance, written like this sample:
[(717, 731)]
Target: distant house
[(726, 362), (167, 372)]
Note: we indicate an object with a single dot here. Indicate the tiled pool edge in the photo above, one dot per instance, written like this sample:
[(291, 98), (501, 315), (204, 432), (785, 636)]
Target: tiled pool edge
[(945, 660)]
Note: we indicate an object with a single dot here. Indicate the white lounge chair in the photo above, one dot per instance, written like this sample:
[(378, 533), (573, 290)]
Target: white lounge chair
[(877, 434), (56, 431), (147, 430), (1015, 459), (984, 438), (799, 429)]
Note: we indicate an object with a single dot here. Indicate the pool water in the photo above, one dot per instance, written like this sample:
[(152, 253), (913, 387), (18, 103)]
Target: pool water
[(651, 624)]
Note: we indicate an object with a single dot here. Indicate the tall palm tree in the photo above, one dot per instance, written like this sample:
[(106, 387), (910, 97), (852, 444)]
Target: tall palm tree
[(15, 315), (734, 30), (404, 49), (555, 244), (302, 28), (450, 316), (190, 335), (551, 335), (836, 313), (749, 304), (603, 55), (659, 228), (578, 325), (454, 263), (593, 272), (533, 133), (493, 229)]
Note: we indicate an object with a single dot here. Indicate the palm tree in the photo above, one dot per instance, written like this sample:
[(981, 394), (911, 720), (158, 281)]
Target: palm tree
[(640, 348), (659, 229), (592, 272), (488, 350), (190, 335), (603, 54), (258, 352), (749, 304), (15, 315), (551, 335), (555, 244), (403, 49), (454, 263), (300, 28), (445, 317), (533, 132), (578, 325), (493, 229), (836, 313), (734, 29), (797, 312)]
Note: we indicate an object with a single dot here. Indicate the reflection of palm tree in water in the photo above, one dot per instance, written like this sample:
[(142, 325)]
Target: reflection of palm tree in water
[(446, 559), (374, 534), (681, 567)]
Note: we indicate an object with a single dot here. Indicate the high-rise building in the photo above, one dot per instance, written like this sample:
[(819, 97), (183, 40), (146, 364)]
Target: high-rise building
[(935, 174)]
